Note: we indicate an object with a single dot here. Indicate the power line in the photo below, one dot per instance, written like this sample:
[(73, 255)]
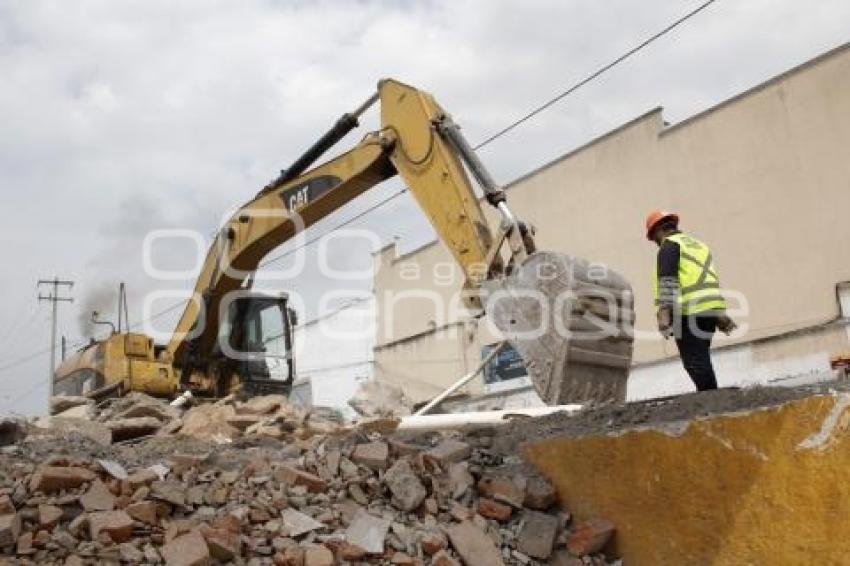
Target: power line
[(597, 73)]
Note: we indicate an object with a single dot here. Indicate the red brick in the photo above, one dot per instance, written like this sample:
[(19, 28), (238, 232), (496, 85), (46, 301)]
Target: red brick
[(590, 536), (501, 489), (432, 543), (494, 510), (48, 479)]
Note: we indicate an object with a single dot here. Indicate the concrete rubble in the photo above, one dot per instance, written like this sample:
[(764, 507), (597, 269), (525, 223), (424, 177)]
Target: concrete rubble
[(265, 482)]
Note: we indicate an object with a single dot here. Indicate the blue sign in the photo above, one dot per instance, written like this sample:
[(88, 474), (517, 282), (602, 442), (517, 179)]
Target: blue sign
[(506, 365)]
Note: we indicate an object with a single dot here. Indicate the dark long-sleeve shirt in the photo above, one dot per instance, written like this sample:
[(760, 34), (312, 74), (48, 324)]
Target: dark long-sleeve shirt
[(668, 273)]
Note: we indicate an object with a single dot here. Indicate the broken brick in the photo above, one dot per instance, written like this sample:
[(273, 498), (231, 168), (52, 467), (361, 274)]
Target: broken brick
[(539, 494), (295, 477), (494, 510), (10, 529), (98, 498), (48, 516), (408, 492), (189, 549), (48, 479), (536, 538), (473, 545), (589, 536), (116, 524), (501, 489), (449, 451), (143, 511), (318, 555), (373, 455), (223, 544)]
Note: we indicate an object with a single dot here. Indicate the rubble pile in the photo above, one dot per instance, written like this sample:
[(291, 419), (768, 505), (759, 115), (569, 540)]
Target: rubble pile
[(288, 487)]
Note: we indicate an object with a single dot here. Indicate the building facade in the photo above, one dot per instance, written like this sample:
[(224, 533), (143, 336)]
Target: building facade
[(763, 178)]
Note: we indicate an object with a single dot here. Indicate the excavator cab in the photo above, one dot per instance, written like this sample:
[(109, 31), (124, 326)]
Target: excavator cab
[(255, 342)]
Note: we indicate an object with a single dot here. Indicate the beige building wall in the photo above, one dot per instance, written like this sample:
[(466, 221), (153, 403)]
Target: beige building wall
[(764, 178)]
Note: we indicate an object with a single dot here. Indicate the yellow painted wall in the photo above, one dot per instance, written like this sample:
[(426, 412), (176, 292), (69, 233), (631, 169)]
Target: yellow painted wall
[(766, 487)]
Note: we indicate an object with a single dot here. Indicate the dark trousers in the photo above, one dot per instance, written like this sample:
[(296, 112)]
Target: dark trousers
[(693, 339)]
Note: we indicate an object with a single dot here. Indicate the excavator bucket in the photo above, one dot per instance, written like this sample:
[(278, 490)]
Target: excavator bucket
[(572, 323)]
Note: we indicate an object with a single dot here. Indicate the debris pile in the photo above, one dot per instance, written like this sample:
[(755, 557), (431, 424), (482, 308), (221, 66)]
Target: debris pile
[(306, 493)]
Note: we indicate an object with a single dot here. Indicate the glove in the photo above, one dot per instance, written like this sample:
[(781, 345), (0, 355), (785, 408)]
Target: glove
[(664, 316), (725, 324)]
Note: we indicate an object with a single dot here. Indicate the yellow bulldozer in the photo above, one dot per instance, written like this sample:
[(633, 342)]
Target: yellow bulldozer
[(570, 321)]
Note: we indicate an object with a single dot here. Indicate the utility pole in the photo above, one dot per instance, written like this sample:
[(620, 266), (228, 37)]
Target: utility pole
[(53, 297)]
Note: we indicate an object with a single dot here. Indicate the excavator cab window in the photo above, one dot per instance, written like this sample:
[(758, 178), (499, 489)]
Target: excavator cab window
[(259, 335)]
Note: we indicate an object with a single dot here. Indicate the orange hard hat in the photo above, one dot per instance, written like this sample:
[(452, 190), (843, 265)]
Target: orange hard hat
[(656, 216)]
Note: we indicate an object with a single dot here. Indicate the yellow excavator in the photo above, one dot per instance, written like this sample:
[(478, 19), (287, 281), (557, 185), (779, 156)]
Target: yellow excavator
[(570, 320)]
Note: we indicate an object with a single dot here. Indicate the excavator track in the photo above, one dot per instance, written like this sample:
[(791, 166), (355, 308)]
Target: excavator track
[(571, 321)]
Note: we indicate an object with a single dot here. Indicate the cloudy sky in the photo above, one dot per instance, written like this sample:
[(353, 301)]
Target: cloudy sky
[(120, 117)]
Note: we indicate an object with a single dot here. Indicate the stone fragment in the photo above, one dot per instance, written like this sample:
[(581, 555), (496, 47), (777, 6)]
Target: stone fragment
[(189, 549), (126, 429), (113, 468), (589, 536), (318, 555), (368, 532), (79, 525), (402, 559), (173, 492), (242, 422), (562, 557), (96, 432), (494, 510), (6, 505), (374, 455), (408, 492), (473, 545), (48, 479), (60, 403), (116, 524), (432, 543), (151, 554), (48, 516), (142, 477), (351, 552), (223, 544), (501, 489), (98, 498), (25, 544), (449, 451), (536, 538), (460, 479), (539, 494), (297, 523), (295, 477), (130, 553), (289, 556), (82, 412), (143, 511), (10, 529), (442, 558)]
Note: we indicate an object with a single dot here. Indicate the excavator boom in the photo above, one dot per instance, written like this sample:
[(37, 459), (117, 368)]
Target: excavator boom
[(540, 300)]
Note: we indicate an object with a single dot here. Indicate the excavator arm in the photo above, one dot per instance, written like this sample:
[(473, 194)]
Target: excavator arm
[(419, 142)]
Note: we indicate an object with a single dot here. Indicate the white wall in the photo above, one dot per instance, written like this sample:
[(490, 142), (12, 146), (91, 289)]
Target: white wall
[(334, 353)]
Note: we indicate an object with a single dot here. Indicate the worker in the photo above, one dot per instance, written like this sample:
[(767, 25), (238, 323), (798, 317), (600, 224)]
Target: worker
[(689, 303)]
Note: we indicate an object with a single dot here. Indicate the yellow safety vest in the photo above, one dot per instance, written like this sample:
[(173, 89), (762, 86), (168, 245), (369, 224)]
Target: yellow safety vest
[(699, 286)]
